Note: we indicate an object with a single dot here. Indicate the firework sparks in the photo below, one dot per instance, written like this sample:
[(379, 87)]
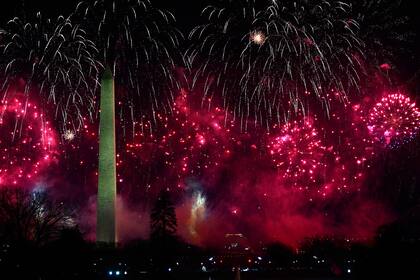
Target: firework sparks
[(142, 46), (24, 159), (69, 135), (53, 59), (190, 143), (257, 37), (268, 65), (384, 38), (395, 118), (300, 51), (297, 152)]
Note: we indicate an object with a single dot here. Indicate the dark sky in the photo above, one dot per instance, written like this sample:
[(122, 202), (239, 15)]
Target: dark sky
[(187, 12)]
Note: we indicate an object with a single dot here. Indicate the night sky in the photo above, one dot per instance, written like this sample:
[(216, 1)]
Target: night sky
[(342, 173), (186, 12)]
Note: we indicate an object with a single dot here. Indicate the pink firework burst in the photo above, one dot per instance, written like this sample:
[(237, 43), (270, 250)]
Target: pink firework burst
[(190, 143), (297, 152), (394, 119), (27, 142)]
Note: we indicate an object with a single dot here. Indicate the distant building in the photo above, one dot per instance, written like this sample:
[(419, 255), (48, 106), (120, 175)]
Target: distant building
[(237, 252)]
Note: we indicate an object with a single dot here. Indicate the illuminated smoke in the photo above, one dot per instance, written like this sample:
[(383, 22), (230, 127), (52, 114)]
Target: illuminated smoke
[(198, 212)]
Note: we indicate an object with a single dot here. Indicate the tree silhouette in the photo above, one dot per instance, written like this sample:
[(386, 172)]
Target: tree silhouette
[(30, 217), (163, 217)]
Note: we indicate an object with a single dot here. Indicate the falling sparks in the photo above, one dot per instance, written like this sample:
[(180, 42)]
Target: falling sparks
[(119, 29), (52, 61), (269, 61)]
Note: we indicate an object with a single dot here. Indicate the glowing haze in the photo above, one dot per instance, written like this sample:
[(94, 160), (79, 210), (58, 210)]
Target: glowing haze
[(301, 179)]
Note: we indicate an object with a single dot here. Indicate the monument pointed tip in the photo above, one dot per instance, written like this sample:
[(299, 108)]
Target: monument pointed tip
[(108, 73)]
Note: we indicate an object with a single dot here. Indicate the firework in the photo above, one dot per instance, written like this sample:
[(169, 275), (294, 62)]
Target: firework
[(54, 59), (349, 151), (269, 63), (297, 152), (69, 135), (190, 144), (266, 63), (257, 37), (23, 160), (394, 119), (142, 47)]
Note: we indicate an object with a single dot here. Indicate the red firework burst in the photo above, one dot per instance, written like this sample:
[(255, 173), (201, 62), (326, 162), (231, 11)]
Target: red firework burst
[(188, 143), (297, 152), (27, 142), (395, 118)]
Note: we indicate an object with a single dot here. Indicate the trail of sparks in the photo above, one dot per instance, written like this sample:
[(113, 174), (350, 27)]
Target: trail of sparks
[(268, 62), (52, 61)]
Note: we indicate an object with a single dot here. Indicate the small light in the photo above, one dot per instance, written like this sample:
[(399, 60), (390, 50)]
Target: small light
[(117, 273), (69, 135), (349, 271), (110, 272), (257, 37)]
